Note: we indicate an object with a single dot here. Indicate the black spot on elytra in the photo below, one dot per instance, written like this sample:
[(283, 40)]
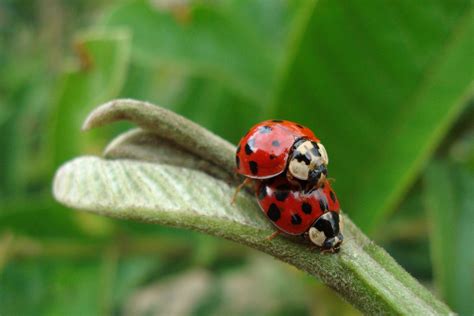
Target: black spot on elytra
[(265, 129), (272, 156), (262, 192), (276, 143), (248, 150), (333, 196), (306, 208), (273, 212), (277, 121), (253, 167), (295, 219), (237, 161), (281, 195)]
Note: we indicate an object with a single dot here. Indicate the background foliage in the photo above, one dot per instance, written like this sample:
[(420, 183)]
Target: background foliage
[(386, 86)]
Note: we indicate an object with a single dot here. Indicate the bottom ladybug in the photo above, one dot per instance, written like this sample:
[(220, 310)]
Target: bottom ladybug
[(313, 214)]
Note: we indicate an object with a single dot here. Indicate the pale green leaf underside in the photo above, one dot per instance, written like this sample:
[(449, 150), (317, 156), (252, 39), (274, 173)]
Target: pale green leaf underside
[(152, 192), (189, 198), (138, 144), (163, 191)]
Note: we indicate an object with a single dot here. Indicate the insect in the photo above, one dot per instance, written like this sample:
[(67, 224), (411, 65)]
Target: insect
[(313, 214), (274, 147)]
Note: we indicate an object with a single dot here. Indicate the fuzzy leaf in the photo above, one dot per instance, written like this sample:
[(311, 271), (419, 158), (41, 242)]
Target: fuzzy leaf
[(139, 144), (170, 126), (184, 196)]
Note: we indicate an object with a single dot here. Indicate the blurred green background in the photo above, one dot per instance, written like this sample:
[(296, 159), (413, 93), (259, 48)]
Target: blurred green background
[(387, 86)]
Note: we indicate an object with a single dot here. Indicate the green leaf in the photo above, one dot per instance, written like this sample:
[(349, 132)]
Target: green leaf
[(383, 82), (22, 104), (48, 286), (212, 105), (179, 196), (210, 42), (209, 55), (406, 236), (104, 57), (449, 201), (46, 219)]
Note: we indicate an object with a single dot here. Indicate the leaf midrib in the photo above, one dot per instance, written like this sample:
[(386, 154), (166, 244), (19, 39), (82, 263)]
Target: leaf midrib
[(412, 104)]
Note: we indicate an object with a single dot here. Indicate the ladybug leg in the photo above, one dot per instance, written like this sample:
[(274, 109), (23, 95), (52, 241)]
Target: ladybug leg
[(275, 233), (237, 190), (305, 239), (330, 250)]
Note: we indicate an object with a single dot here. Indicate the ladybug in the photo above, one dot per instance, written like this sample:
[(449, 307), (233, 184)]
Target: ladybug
[(313, 214), (274, 147)]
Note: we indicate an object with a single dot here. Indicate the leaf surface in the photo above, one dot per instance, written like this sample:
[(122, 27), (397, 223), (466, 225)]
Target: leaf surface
[(212, 42), (449, 201), (103, 59)]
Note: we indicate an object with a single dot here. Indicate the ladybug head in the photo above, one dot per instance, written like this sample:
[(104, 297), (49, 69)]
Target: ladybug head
[(326, 231), (308, 162)]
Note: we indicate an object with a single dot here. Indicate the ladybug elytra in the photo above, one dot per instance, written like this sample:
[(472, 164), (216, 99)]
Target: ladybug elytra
[(275, 146), (295, 212)]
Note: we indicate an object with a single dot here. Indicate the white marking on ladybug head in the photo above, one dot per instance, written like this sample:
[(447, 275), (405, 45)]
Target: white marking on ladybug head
[(299, 169), (304, 147), (317, 236), (307, 157)]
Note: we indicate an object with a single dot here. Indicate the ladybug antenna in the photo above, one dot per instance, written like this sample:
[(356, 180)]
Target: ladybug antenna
[(238, 188)]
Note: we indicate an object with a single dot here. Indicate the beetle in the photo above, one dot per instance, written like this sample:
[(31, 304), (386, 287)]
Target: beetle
[(314, 214), (273, 147)]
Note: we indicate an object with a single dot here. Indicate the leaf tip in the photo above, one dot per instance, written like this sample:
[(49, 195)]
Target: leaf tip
[(87, 125), (96, 117), (106, 113)]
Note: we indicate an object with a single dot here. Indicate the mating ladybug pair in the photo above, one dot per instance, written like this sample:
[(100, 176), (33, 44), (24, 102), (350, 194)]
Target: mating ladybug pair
[(289, 166)]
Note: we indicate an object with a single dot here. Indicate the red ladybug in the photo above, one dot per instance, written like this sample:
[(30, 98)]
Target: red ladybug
[(275, 146), (314, 214)]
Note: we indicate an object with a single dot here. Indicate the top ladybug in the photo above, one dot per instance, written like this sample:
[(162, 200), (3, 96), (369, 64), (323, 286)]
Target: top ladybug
[(273, 147)]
